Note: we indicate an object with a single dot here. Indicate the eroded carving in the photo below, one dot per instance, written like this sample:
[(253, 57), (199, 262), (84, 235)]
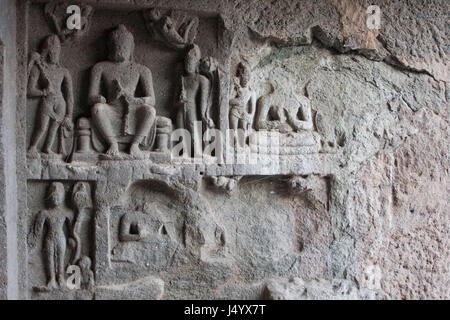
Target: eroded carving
[(281, 112), (226, 183), (287, 118), (176, 32), (146, 233), (173, 228), (63, 230), (243, 105), (87, 275), (56, 14), (52, 83), (119, 114)]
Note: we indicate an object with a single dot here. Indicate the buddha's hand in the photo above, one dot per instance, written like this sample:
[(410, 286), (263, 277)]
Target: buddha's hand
[(182, 97), (117, 90), (133, 100)]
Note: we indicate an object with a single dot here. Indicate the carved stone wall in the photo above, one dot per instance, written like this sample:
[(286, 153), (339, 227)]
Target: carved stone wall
[(329, 172)]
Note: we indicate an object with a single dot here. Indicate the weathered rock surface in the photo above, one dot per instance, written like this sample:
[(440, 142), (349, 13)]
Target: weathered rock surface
[(337, 289), (356, 206)]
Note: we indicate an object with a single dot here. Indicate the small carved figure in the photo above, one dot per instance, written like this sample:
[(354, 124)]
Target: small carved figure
[(163, 131), (193, 97), (227, 183), (87, 275), (163, 27), (56, 105), (243, 105), (54, 247), (120, 114), (145, 236)]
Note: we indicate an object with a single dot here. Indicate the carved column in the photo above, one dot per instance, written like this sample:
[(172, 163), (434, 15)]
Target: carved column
[(8, 184)]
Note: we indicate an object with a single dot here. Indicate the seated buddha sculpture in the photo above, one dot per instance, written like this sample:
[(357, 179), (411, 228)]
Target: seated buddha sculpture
[(123, 100)]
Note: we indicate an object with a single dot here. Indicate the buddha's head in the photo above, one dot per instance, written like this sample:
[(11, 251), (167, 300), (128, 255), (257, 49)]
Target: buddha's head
[(120, 44)]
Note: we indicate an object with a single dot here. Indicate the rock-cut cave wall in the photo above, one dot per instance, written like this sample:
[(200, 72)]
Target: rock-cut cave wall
[(336, 186)]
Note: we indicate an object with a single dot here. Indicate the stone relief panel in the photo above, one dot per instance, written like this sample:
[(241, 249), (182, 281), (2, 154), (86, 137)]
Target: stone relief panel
[(158, 227), (271, 103), (118, 104), (123, 114), (106, 106), (115, 99)]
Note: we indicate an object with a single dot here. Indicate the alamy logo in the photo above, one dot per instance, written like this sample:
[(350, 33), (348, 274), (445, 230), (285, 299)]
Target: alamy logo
[(73, 22), (74, 280), (373, 21)]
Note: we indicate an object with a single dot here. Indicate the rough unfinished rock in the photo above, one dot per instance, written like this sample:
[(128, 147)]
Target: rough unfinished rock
[(298, 289)]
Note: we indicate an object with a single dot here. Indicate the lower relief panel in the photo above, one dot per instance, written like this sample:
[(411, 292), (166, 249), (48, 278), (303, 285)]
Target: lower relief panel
[(170, 242), (60, 238)]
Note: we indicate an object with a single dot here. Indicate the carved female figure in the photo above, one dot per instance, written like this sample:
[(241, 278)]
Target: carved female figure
[(56, 105)]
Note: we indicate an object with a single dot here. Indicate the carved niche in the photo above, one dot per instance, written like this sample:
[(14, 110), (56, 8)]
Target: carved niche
[(124, 110), (119, 115), (278, 117), (60, 234), (288, 116)]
